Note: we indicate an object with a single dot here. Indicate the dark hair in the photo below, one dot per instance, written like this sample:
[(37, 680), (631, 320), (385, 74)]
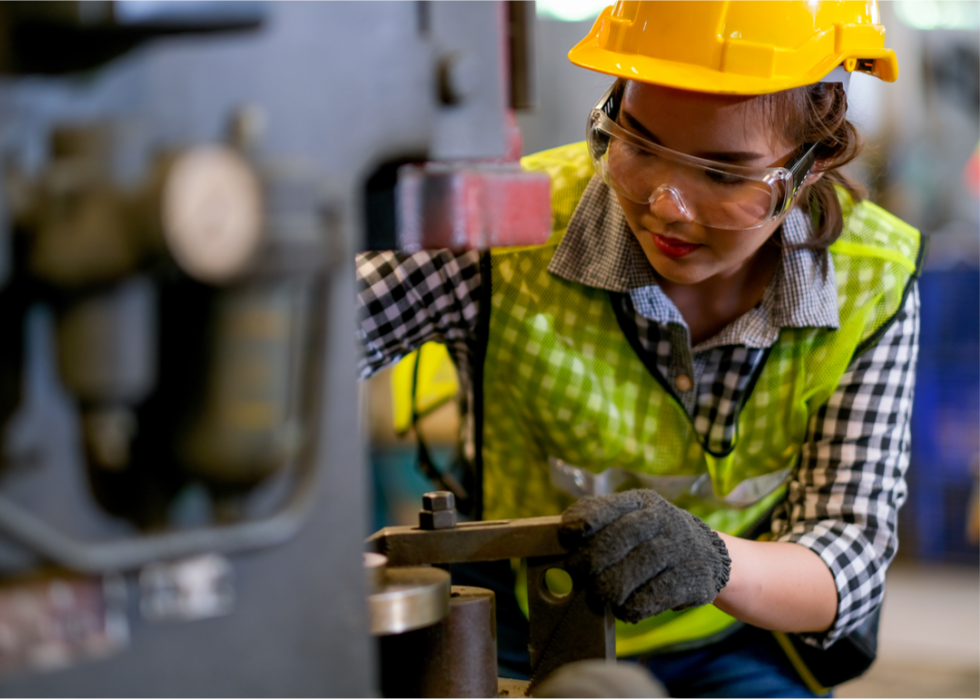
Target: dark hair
[(818, 114), (807, 115)]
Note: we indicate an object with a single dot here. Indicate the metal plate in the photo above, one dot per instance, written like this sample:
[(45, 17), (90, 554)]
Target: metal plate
[(470, 542), (410, 599)]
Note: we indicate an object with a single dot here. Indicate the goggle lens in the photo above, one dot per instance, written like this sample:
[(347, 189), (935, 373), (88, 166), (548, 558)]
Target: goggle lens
[(715, 195)]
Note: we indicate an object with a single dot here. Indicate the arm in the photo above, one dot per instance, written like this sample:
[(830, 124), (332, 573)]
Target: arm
[(778, 585), (404, 301), (836, 532)]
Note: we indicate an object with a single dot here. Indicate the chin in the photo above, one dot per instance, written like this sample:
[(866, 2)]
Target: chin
[(677, 271)]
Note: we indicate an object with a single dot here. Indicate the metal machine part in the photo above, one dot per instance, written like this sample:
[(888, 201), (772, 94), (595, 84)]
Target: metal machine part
[(212, 213), (564, 628), (211, 390), (468, 542), (192, 588), (456, 657), (438, 510), (472, 206), (408, 599), (374, 571), (521, 20), (63, 37), (350, 86)]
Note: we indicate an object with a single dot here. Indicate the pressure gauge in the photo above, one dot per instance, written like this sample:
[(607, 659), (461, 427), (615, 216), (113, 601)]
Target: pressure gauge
[(212, 213)]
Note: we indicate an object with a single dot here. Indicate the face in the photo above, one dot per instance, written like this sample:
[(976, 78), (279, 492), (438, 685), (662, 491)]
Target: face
[(731, 129)]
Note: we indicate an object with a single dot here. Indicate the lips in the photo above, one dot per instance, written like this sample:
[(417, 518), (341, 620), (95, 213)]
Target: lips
[(672, 247)]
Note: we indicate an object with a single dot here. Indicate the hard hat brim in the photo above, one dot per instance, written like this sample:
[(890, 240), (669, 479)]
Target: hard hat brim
[(684, 76)]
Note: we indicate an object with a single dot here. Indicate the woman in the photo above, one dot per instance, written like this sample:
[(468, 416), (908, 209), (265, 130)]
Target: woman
[(715, 351)]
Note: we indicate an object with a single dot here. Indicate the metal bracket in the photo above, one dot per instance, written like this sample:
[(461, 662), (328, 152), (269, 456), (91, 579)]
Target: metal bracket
[(563, 628)]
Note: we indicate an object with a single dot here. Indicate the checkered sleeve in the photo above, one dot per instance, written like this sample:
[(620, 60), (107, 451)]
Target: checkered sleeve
[(405, 300), (843, 500)]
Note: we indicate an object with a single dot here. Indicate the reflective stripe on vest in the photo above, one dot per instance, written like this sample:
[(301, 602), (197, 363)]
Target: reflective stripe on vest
[(570, 409), (579, 482)]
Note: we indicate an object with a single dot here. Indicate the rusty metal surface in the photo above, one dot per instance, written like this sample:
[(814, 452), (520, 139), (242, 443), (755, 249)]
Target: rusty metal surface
[(455, 658), (564, 629), (469, 542)]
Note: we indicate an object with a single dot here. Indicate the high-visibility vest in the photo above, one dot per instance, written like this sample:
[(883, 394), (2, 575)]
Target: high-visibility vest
[(570, 409)]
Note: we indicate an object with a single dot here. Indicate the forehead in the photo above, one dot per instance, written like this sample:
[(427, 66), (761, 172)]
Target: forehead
[(690, 121)]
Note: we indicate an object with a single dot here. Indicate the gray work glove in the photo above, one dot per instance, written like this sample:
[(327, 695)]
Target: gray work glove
[(642, 554)]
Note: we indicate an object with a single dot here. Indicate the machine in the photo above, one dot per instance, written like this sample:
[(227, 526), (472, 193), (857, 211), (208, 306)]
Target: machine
[(182, 490)]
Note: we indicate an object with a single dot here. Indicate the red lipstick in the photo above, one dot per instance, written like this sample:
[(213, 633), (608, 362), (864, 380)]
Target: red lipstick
[(672, 247)]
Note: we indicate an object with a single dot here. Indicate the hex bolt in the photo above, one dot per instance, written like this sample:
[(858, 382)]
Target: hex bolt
[(438, 510), (438, 500)]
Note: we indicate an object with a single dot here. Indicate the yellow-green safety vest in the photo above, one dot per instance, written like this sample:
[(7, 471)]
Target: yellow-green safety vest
[(570, 409)]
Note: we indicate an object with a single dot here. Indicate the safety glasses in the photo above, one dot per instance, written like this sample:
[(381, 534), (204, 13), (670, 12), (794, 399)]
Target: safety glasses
[(713, 194)]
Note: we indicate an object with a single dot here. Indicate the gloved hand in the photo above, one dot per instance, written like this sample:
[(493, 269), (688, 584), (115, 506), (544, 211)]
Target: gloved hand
[(642, 554)]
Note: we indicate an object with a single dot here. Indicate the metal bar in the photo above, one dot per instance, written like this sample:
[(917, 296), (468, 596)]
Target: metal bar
[(469, 542), (521, 18)]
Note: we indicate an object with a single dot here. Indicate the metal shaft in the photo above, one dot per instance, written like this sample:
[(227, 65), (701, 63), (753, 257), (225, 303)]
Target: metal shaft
[(455, 658)]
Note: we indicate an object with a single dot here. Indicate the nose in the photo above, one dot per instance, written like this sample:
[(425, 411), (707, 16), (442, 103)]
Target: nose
[(667, 205)]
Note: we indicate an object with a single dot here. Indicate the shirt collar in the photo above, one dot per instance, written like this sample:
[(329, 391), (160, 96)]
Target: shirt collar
[(600, 251)]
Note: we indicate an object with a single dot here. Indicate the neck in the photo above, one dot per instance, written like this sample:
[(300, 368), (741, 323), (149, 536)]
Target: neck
[(712, 304)]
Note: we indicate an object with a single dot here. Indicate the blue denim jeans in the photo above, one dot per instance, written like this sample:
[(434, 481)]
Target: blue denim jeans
[(746, 663)]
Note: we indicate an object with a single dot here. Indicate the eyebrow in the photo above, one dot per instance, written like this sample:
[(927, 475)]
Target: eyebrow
[(721, 156)]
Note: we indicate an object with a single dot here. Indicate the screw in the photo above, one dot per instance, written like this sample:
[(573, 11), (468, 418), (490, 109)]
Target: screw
[(438, 510)]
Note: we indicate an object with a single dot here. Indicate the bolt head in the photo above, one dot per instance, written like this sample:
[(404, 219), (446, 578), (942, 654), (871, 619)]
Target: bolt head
[(438, 501), (443, 519)]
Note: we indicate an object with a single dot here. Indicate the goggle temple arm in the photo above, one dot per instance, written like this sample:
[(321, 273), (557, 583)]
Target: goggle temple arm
[(609, 102), (799, 170)]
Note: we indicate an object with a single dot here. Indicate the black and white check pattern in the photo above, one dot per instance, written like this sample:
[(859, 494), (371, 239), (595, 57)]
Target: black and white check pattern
[(405, 300), (843, 498)]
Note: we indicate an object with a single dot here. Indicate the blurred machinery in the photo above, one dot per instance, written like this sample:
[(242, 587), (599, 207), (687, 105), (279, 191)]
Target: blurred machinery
[(182, 497)]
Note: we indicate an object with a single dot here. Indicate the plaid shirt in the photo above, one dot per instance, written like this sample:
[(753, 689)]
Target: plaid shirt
[(843, 498)]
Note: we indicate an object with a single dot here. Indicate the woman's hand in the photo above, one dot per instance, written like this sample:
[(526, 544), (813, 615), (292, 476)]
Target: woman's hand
[(642, 554)]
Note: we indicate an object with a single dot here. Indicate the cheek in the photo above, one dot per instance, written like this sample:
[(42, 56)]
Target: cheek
[(632, 212), (740, 244)]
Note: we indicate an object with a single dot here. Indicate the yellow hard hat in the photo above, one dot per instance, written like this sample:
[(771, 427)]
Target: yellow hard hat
[(741, 47)]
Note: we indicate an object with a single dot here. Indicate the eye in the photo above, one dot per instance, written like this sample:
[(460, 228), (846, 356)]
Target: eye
[(721, 177), (638, 151)]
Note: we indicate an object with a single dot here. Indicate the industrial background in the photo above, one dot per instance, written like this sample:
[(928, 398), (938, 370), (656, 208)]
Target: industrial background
[(188, 467)]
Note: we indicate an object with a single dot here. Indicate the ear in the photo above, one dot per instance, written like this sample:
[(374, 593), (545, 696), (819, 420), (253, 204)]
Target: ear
[(816, 172), (812, 178)]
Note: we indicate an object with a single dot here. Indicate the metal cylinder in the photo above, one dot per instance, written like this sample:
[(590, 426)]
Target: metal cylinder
[(107, 344), (455, 658), (408, 599), (249, 411)]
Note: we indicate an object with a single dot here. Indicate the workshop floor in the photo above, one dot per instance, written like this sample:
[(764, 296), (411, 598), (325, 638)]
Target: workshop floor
[(929, 641)]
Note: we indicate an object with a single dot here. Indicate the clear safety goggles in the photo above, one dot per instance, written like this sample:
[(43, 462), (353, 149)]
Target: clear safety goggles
[(713, 194)]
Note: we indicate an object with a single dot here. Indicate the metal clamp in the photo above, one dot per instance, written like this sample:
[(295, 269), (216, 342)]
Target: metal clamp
[(564, 628)]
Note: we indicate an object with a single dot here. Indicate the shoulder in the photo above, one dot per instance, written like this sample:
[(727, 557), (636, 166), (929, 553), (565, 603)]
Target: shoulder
[(868, 225), (570, 170), (877, 259)]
